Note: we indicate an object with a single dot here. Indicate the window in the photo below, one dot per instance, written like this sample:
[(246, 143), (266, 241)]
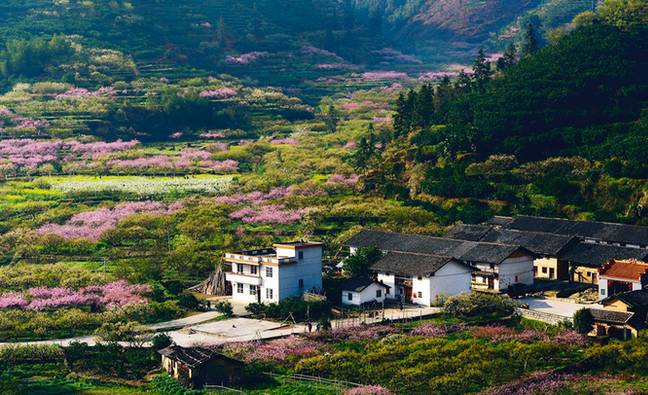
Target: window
[(387, 291), (269, 293), (253, 270), (420, 278), (588, 274), (420, 294), (544, 270), (517, 279), (300, 255), (253, 290), (603, 291), (350, 296), (239, 288), (535, 270), (268, 272), (301, 283), (378, 293), (239, 268)]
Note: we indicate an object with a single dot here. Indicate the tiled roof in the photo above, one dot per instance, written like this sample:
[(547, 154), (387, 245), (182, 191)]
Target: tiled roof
[(611, 316), (606, 231), (408, 264), (635, 299), (358, 284), (467, 232), (594, 255), (460, 249), (545, 244), (630, 269), (192, 357)]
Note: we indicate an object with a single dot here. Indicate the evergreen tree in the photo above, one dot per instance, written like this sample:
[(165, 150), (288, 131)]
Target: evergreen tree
[(530, 42), (332, 119), (464, 82), (424, 106), (400, 122), (508, 59), (481, 71), (442, 98), (219, 35)]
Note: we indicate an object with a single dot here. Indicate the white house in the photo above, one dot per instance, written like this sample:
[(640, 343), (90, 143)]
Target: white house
[(495, 266), (272, 274), (360, 290), (619, 276), (421, 278)]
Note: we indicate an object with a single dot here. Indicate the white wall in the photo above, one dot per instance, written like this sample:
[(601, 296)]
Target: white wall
[(452, 279), (390, 281), (367, 295), (308, 269), (520, 267), (245, 296)]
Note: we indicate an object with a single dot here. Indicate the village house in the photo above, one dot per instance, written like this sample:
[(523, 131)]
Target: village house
[(492, 266), (196, 367), (585, 259), (420, 279), (620, 276), (623, 316), (270, 275), (548, 247), (358, 291)]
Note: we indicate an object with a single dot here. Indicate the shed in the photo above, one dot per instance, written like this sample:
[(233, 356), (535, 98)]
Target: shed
[(195, 367), (360, 290)]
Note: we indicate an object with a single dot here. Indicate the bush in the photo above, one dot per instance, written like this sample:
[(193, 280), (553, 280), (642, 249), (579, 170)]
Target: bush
[(161, 340), (358, 264), (480, 305), (188, 301), (225, 308), (583, 321)]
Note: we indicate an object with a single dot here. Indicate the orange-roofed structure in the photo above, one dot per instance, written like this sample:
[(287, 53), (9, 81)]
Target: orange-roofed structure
[(618, 276)]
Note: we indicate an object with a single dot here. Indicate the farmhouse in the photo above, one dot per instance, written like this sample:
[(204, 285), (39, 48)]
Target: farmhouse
[(548, 247), (625, 314), (494, 266), (196, 367), (586, 258), (619, 276), (420, 278), (272, 274), (361, 290)]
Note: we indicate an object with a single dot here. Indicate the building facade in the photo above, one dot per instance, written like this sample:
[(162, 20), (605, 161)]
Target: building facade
[(360, 291), (620, 276), (270, 275)]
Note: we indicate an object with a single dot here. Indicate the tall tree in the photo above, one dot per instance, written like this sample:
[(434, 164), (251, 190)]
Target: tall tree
[(332, 119), (481, 71), (530, 41), (424, 106), (508, 59)]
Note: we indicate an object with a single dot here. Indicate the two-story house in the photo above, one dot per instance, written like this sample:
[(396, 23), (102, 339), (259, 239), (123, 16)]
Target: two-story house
[(416, 259), (269, 275)]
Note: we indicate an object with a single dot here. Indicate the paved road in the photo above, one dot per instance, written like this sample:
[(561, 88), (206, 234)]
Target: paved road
[(198, 329), (565, 309), (159, 327)]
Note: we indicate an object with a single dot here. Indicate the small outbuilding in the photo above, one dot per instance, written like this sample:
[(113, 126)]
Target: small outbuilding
[(195, 367), (358, 291), (621, 276)]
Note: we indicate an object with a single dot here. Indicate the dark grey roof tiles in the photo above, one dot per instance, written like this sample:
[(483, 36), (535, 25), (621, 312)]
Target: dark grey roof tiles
[(545, 244), (408, 264), (467, 232), (611, 316), (594, 255), (459, 249), (636, 299), (359, 284), (605, 231)]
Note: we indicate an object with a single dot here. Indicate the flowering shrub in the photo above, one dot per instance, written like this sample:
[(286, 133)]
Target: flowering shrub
[(146, 186), (111, 295), (220, 93), (383, 75), (433, 330), (538, 383), (212, 135), (368, 390), (79, 93), (246, 58), (496, 333), (360, 332), (278, 350), (269, 214), (254, 197), (351, 180), (20, 123), (91, 225), (438, 75), (285, 140), (333, 66)]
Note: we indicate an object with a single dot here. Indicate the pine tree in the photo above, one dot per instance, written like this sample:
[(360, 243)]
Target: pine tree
[(481, 71), (219, 36), (530, 42), (332, 120), (400, 123), (508, 59), (424, 106), (464, 82)]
